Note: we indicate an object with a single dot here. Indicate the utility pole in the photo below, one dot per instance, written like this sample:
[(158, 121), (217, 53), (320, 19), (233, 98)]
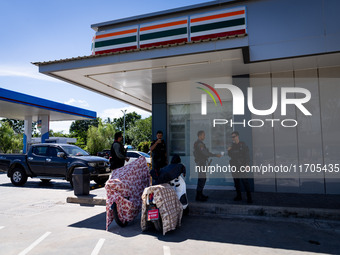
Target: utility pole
[(124, 127)]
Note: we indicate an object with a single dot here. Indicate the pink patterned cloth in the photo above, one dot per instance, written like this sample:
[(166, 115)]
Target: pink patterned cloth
[(125, 187)]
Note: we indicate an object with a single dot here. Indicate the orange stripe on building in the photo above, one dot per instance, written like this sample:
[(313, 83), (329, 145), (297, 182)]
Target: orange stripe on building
[(217, 16), (117, 33), (175, 23)]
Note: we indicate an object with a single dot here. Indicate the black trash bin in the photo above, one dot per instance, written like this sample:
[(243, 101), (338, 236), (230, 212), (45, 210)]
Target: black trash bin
[(81, 181)]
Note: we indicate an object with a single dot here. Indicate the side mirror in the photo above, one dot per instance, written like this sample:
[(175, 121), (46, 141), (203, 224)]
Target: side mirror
[(61, 155)]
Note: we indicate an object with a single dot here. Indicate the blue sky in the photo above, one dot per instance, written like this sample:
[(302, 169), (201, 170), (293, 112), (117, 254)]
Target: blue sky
[(40, 30)]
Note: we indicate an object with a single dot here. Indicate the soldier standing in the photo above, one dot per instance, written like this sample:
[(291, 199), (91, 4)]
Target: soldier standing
[(201, 154), (239, 156), (159, 156)]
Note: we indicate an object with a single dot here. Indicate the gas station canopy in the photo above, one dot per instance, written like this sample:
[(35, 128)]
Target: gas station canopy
[(16, 105)]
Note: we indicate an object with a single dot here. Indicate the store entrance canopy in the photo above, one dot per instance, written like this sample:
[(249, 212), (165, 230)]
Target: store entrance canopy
[(129, 77)]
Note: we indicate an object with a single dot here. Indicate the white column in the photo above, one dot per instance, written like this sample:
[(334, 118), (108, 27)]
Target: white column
[(28, 133)]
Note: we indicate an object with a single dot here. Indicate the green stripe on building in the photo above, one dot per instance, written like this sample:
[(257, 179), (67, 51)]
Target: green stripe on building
[(217, 25), (116, 41), (172, 32)]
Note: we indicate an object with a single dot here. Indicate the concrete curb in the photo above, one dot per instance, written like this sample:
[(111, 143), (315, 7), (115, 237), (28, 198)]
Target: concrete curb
[(86, 200), (225, 210)]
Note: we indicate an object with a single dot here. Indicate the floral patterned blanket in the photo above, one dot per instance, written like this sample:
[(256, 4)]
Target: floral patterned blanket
[(125, 187)]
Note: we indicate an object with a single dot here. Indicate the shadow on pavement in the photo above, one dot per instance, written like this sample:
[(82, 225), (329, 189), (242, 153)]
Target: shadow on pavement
[(258, 233), (41, 185), (36, 183), (96, 222), (99, 222), (295, 236)]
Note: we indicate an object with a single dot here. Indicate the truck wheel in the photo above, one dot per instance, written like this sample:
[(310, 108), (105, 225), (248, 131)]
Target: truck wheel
[(18, 177), (115, 215), (70, 178), (101, 180), (71, 183)]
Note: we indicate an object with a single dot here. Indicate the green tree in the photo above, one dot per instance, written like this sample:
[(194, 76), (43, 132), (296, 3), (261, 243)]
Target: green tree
[(108, 121), (80, 142), (100, 138), (141, 131), (144, 146), (18, 125), (57, 134), (130, 120), (9, 141), (78, 129)]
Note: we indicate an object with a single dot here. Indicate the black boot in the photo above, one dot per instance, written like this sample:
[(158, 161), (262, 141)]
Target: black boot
[(249, 199), (204, 196), (238, 196), (199, 196)]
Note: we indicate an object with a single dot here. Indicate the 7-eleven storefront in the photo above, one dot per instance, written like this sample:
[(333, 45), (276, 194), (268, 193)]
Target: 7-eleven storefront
[(286, 73)]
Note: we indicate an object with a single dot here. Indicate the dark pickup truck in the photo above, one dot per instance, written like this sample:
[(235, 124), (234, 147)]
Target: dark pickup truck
[(53, 161), (104, 154)]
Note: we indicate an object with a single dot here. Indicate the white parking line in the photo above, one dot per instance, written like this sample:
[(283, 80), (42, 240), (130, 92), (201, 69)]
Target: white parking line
[(166, 250), (98, 246), (34, 244), (1, 227)]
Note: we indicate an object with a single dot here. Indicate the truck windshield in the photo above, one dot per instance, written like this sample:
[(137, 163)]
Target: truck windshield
[(74, 151)]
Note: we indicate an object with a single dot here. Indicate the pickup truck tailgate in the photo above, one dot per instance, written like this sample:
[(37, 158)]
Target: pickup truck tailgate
[(4, 164)]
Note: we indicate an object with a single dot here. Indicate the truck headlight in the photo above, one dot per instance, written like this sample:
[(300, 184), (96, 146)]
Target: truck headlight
[(92, 164)]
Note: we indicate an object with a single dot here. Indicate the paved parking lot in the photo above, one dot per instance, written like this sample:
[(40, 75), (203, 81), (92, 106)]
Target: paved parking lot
[(35, 219)]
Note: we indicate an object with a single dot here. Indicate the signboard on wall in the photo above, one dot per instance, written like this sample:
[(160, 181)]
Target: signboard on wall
[(220, 24)]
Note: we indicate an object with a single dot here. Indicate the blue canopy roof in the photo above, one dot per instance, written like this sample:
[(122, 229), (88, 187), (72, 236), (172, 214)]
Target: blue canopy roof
[(16, 105)]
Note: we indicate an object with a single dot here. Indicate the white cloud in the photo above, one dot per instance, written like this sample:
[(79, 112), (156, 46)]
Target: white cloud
[(117, 112), (61, 126), (77, 103), (24, 71)]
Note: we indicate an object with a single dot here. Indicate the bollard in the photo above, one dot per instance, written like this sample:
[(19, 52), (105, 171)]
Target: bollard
[(81, 181)]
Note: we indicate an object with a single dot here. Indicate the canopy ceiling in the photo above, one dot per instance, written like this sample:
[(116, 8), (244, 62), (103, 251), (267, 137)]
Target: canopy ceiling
[(128, 78)]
